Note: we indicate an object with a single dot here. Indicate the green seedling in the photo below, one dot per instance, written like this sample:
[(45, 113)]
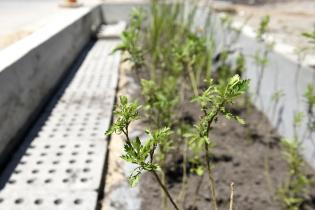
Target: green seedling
[(263, 27), (261, 58), (130, 40), (309, 96), (310, 36), (275, 99), (297, 121), (292, 192), (136, 152), (212, 102)]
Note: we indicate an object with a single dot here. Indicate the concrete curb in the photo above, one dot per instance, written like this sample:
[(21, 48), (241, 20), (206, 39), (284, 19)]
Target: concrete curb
[(31, 68)]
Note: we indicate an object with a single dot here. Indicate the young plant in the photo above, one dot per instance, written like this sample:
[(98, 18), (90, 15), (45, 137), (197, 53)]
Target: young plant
[(297, 121), (292, 192), (309, 96), (212, 102), (131, 39), (275, 99), (136, 152), (261, 58)]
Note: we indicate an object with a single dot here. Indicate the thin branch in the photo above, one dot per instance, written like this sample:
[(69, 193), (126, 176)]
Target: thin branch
[(165, 189), (232, 196)]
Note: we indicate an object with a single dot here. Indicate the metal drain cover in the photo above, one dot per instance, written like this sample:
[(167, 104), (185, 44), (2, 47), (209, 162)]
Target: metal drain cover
[(61, 163)]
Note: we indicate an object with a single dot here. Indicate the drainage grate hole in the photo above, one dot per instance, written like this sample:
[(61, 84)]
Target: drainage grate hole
[(84, 180), (72, 161), (93, 134), (65, 180), (12, 181), (57, 201), (47, 146), (18, 201), (88, 161), (69, 170), (39, 162), (77, 145), (55, 162), (62, 146), (47, 181), (90, 153), (17, 171), (51, 171), (27, 154), (30, 181), (77, 201), (74, 153), (59, 153), (38, 201), (86, 170), (1, 200), (43, 154), (22, 162), (92, 145), (35, 171)]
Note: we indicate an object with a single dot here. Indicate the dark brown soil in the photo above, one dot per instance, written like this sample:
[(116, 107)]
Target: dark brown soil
[(249, 156)]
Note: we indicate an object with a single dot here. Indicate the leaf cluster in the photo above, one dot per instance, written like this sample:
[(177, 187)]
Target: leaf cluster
[(131, 38), (292, 193)]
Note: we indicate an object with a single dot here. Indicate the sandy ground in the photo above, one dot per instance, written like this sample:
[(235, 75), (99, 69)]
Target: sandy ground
[(288, 20)]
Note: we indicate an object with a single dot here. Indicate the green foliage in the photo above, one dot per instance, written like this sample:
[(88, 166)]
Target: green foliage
[(125, 113), (277, 95), (261, 58), (135, 151), (298, 118), (213, 101), (130, 39), (310, 36), (292, 192), (263, 27), (160, 101), (309, 95)]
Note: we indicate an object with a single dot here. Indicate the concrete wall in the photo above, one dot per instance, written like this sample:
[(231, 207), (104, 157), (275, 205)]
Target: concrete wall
[(31, 69), (114, 12), (282, 73)]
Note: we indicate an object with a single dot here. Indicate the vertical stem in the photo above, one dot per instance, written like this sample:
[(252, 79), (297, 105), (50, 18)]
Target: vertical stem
[(182, 194), (193, 80), (211, 179), (197, 190), (165, 189), (164, 198), (231, 197)]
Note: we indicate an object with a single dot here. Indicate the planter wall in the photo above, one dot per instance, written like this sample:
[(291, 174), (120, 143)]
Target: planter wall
[(282, 73), (31, 68)]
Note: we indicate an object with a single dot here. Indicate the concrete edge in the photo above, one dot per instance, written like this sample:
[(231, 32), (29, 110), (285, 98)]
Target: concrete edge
[(31, 69)]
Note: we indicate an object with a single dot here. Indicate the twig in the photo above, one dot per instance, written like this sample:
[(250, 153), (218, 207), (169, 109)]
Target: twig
[(165, 189), (232, 195)]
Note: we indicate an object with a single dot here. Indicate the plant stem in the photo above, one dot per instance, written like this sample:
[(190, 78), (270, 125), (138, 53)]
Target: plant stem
[(211, 179), (197, 189), (165, 189), (182, 194), (231, 197), (192, 80)]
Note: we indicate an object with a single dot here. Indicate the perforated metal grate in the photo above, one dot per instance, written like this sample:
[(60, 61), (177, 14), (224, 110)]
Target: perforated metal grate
[(60, 166)]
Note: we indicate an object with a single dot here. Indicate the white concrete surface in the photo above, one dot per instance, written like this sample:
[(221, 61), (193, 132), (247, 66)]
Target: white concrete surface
[(31, 68), (64, 153)]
